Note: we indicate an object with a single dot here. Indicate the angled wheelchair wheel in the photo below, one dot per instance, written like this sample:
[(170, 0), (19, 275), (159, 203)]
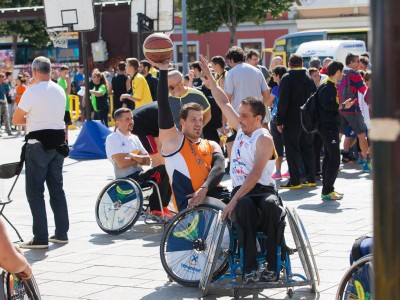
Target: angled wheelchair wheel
[(357, 281), (185, 245), (301, 249), (119, 206), (13, 288)]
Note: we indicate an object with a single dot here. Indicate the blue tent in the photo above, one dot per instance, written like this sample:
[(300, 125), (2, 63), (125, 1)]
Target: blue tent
[(91, 142)]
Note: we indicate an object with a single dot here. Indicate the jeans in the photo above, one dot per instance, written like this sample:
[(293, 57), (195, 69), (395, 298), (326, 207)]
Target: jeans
[(4, 115), (45, 166)]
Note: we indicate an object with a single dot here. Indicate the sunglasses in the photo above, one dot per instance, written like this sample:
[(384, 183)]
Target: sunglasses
[(173, 87)]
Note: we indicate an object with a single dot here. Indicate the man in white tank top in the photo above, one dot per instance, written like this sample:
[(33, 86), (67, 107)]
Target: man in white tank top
[(254, 204)]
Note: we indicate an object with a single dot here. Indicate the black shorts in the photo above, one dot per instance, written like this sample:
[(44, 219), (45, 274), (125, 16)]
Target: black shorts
[(67, 118), (149, 143), (232, 137), (356, 121)]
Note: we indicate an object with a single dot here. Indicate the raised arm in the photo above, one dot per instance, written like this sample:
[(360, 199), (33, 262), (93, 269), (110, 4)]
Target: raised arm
[(169, 135), (219, 95)]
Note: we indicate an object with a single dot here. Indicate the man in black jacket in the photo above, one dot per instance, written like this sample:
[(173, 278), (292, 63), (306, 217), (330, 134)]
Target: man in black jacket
[(328, 109), (294, 90)]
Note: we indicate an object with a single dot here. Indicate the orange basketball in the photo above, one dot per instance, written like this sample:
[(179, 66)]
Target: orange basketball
[(158, 48)]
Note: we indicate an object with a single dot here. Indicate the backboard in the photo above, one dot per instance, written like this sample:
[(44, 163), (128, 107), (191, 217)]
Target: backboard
[(161, 11), (76, 14)]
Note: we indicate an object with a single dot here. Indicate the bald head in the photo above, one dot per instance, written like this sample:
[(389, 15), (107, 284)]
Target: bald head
[(175, 83), (174, 76), (276, 61), (326, 62)]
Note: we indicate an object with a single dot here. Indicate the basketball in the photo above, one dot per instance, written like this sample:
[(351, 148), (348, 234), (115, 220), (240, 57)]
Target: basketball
[(158, 48)]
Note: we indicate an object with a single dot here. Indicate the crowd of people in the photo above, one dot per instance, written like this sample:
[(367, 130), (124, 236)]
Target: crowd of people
[(184, 126)]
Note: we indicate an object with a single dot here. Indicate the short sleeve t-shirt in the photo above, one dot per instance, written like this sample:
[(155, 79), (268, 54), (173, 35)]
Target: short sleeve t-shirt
[(192, 95), (78, 78), (275, 92), (141, 90), (101, 89), (44, 104), (242, 81), (117, 143), (63, 83), (19, 91)]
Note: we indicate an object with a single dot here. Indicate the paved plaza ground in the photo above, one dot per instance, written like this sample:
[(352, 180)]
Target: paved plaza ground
[(95, 265)]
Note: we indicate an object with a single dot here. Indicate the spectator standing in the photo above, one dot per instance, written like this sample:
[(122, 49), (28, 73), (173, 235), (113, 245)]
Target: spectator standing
[(10, 101), (277, 74), (242, 81), (253, 58), (79, 82), (294, 90), (218, 65), (276, 61), (152, 81), (4, 90), (99, 98), (352, 116), (42, 109), (65, 82), (140, 89), (20, 89), (195, 67), (328, 111), (179, 95), (120, 84)]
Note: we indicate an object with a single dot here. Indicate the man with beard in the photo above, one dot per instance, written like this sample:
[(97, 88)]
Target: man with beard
[(127, 154)]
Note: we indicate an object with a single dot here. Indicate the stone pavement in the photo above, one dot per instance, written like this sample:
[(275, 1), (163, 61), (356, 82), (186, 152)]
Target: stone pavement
[(95, 265)]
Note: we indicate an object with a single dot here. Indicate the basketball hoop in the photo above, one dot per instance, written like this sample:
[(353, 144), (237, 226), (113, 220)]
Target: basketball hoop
[(59, 36)]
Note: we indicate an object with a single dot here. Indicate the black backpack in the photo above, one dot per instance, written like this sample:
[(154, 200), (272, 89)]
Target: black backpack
[(309, 114)]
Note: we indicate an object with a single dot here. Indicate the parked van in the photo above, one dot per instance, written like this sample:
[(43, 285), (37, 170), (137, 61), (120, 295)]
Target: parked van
[(335, 49)]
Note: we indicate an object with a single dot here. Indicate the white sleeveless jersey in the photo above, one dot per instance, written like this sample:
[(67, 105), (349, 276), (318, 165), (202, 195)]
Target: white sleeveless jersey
[(242, 159)]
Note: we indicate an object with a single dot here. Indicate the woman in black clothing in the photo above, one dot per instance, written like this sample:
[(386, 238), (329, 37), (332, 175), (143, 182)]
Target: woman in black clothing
[(99, 97)]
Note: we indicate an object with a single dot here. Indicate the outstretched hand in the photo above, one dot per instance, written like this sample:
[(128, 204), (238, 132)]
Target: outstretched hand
[(204, 66)]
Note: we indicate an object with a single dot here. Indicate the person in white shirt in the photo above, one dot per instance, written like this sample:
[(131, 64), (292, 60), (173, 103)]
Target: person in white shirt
[(42, 109), (127, 154)]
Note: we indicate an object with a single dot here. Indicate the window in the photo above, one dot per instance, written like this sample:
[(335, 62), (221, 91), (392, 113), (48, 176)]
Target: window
[(257, 44), (192, 53), (293, 43)]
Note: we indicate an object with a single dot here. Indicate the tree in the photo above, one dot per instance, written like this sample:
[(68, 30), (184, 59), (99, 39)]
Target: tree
[(205, 15), (31, 30)]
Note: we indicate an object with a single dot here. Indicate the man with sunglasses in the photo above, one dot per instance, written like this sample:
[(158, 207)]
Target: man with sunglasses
[(179, 95)]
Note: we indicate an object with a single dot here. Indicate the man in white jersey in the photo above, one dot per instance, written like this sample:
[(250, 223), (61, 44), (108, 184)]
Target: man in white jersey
[(42, 110), (254, 203)]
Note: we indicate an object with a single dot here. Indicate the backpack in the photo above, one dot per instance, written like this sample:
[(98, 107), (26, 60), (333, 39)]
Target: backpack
[(362, 246), (344, 88), (309, 114)]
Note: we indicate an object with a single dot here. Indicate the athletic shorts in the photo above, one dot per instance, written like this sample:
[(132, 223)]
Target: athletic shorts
[(277, 137), (350, 132), (67, 118), (149, 143), (356, 121)]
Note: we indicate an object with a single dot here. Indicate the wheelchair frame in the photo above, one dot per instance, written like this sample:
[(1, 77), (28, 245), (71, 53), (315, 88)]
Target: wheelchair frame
[(125, 205), (12, 289), (213, 275)]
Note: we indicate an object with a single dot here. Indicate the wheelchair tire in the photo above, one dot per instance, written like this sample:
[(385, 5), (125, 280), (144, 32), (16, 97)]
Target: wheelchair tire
[(357, 279), (302, 250), (13, 288), (118, 206), (184, 245)]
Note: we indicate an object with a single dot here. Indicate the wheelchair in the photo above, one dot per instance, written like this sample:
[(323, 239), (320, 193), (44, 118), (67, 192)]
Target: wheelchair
[(198, 249), (11, 287), (121, 203), (357, 281)]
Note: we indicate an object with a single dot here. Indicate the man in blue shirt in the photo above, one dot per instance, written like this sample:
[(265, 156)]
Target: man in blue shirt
[(4, 91), (79, 82)]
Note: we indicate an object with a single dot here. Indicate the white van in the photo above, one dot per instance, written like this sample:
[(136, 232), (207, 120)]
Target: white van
[(335, 49)]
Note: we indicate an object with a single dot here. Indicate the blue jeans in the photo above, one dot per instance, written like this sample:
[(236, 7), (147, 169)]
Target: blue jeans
[(45, 166)]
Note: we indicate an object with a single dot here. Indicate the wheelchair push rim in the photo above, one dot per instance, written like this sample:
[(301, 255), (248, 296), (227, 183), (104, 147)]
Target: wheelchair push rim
[(118, 206), (14, 288), (185, 244)]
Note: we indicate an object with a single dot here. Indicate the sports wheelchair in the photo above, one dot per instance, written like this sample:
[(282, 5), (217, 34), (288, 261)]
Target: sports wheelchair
[(198, 249), (121, 203), (11, 287)]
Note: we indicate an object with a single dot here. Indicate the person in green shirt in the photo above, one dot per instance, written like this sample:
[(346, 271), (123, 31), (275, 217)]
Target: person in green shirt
[(98, 97), (65, 82)]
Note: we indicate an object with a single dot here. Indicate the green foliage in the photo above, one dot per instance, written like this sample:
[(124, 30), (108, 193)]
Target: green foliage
[(205, 15), (31, 30)]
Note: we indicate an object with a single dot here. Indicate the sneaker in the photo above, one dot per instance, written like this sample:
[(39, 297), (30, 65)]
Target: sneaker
[(290, 186), (340, 194), (277, 176), (360, 161), (286, 175), (158, 214), (251, 277), (308, 184), (167, 213), (332, 196), (34, 245), (57, 240), (367, 168), (268, 276)]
